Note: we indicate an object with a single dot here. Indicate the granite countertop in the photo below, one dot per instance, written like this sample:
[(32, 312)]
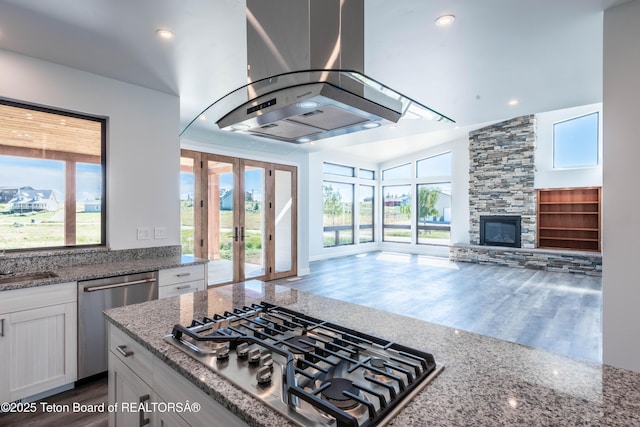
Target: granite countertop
[(101, 269), (486, 382)]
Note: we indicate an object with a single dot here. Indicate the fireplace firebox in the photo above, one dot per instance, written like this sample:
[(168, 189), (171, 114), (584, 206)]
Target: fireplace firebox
[(500, 230)]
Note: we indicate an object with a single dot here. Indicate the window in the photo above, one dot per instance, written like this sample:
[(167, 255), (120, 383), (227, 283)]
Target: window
[(338, 214), (434, 213), (366, 213), (334, 169), (52, 177), (398, 172), (575, 142), (396, 212), (439, 165), (367, 174)]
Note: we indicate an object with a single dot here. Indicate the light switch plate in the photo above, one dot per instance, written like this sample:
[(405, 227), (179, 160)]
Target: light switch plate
[(144, 233), (160, 232)]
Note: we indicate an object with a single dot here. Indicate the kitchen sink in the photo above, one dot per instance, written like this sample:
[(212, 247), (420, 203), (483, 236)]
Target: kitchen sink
[(26, 277)]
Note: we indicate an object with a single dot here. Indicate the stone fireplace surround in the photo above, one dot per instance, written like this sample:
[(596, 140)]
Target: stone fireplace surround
[(501, 182)]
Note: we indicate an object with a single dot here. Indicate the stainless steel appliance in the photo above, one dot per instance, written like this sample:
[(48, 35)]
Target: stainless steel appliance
[(95, 296), (314, 372)]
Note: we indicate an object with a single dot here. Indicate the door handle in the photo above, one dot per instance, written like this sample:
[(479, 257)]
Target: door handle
[(1, 327), (236, 234), (144, 421), (122, 349), (242, 233)]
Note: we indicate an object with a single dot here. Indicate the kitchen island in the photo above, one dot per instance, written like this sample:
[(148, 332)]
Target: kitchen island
[(486, 382)]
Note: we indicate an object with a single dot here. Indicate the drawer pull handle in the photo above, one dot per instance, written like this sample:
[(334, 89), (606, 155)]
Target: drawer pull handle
[(1, 327), (122, 349), (183, 287), (183, 274), (144, 421)]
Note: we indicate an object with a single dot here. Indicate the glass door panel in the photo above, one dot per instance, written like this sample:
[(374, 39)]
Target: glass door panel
[(221, 221), (253, 223), (283, 221), (187, 217)]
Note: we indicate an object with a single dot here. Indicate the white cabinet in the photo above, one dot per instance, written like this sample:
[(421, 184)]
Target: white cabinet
[(130, 368), (139, 380), (182, 280), (38, 340), (128, 389)]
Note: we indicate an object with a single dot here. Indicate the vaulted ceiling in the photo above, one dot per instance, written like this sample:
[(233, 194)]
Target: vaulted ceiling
[(542, 55)]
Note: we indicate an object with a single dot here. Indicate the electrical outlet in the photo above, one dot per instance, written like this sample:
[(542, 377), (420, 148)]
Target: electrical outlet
[(144, 233), (160, 232)]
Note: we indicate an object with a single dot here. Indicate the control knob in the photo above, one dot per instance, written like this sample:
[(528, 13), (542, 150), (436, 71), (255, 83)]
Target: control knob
[(242, 350), (222, 353), (263, 376)]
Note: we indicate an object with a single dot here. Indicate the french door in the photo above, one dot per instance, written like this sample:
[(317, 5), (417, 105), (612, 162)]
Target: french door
[(244, 217)]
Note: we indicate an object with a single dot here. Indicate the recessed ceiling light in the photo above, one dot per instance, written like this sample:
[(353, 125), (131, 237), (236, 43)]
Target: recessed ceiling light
[(445, 20), (371, 125), (240, 126), (165, 34), (513, 102), (304, 139), (202, 117)]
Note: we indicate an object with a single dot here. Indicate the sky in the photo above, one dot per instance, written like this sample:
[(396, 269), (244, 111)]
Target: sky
[(49, 175), (575, 142)]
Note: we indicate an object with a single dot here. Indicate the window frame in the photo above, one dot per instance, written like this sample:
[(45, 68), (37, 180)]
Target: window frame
[(70, 227), (597, 145), (356, 181), (353, 216)]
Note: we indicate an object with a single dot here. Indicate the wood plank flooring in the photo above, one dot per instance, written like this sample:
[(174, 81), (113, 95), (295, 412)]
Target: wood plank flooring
[(92, 393), (557, 312)]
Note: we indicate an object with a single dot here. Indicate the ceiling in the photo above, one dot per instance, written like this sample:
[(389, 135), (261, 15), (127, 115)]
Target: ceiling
[(546, 54)]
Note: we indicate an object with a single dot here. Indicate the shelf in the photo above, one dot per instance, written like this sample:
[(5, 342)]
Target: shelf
[(569, 228), (573, 222), (569, 213), (569, 238)]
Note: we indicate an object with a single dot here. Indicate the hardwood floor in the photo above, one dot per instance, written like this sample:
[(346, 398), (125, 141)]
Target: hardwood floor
[(557, 312), (92, 393)]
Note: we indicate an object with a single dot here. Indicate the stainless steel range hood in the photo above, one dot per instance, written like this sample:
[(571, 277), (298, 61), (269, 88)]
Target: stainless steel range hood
[(305, 62)]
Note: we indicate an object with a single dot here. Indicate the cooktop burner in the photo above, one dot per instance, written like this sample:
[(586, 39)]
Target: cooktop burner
[(313, 372)]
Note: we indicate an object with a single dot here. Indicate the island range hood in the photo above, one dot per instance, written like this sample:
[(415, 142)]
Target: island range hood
[(306, 79)]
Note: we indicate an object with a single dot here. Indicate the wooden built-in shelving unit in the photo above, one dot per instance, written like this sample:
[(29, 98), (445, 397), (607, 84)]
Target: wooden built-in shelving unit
[(569, 218)]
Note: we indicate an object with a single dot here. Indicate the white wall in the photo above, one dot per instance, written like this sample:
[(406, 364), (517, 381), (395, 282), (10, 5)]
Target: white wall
[(142, 141), (621, 206), (548, 177)]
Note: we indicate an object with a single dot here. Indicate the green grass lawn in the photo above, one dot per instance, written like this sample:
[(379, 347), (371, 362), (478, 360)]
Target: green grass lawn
[(45, 229)]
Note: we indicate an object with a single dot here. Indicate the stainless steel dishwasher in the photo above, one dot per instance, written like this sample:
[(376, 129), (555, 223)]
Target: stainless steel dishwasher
[(95, 296)]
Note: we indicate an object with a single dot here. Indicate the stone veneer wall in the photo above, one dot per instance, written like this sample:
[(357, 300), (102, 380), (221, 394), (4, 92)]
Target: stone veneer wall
[(501, 175), (589, 263)]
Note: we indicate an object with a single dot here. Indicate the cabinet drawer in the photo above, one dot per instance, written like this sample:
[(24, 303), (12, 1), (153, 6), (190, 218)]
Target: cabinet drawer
[(180, 288), (188, 273), (132, 354)]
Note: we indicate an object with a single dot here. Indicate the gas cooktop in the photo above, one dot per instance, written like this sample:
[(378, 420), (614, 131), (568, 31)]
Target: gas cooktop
[(314, 372)]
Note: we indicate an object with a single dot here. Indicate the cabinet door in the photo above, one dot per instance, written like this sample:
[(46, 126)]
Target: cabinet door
[(5, 394), (168, 418), (129, 392), (41, 350)]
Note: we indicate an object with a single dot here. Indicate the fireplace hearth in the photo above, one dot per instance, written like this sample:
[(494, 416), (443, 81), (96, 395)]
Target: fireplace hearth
[(500, 230)]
